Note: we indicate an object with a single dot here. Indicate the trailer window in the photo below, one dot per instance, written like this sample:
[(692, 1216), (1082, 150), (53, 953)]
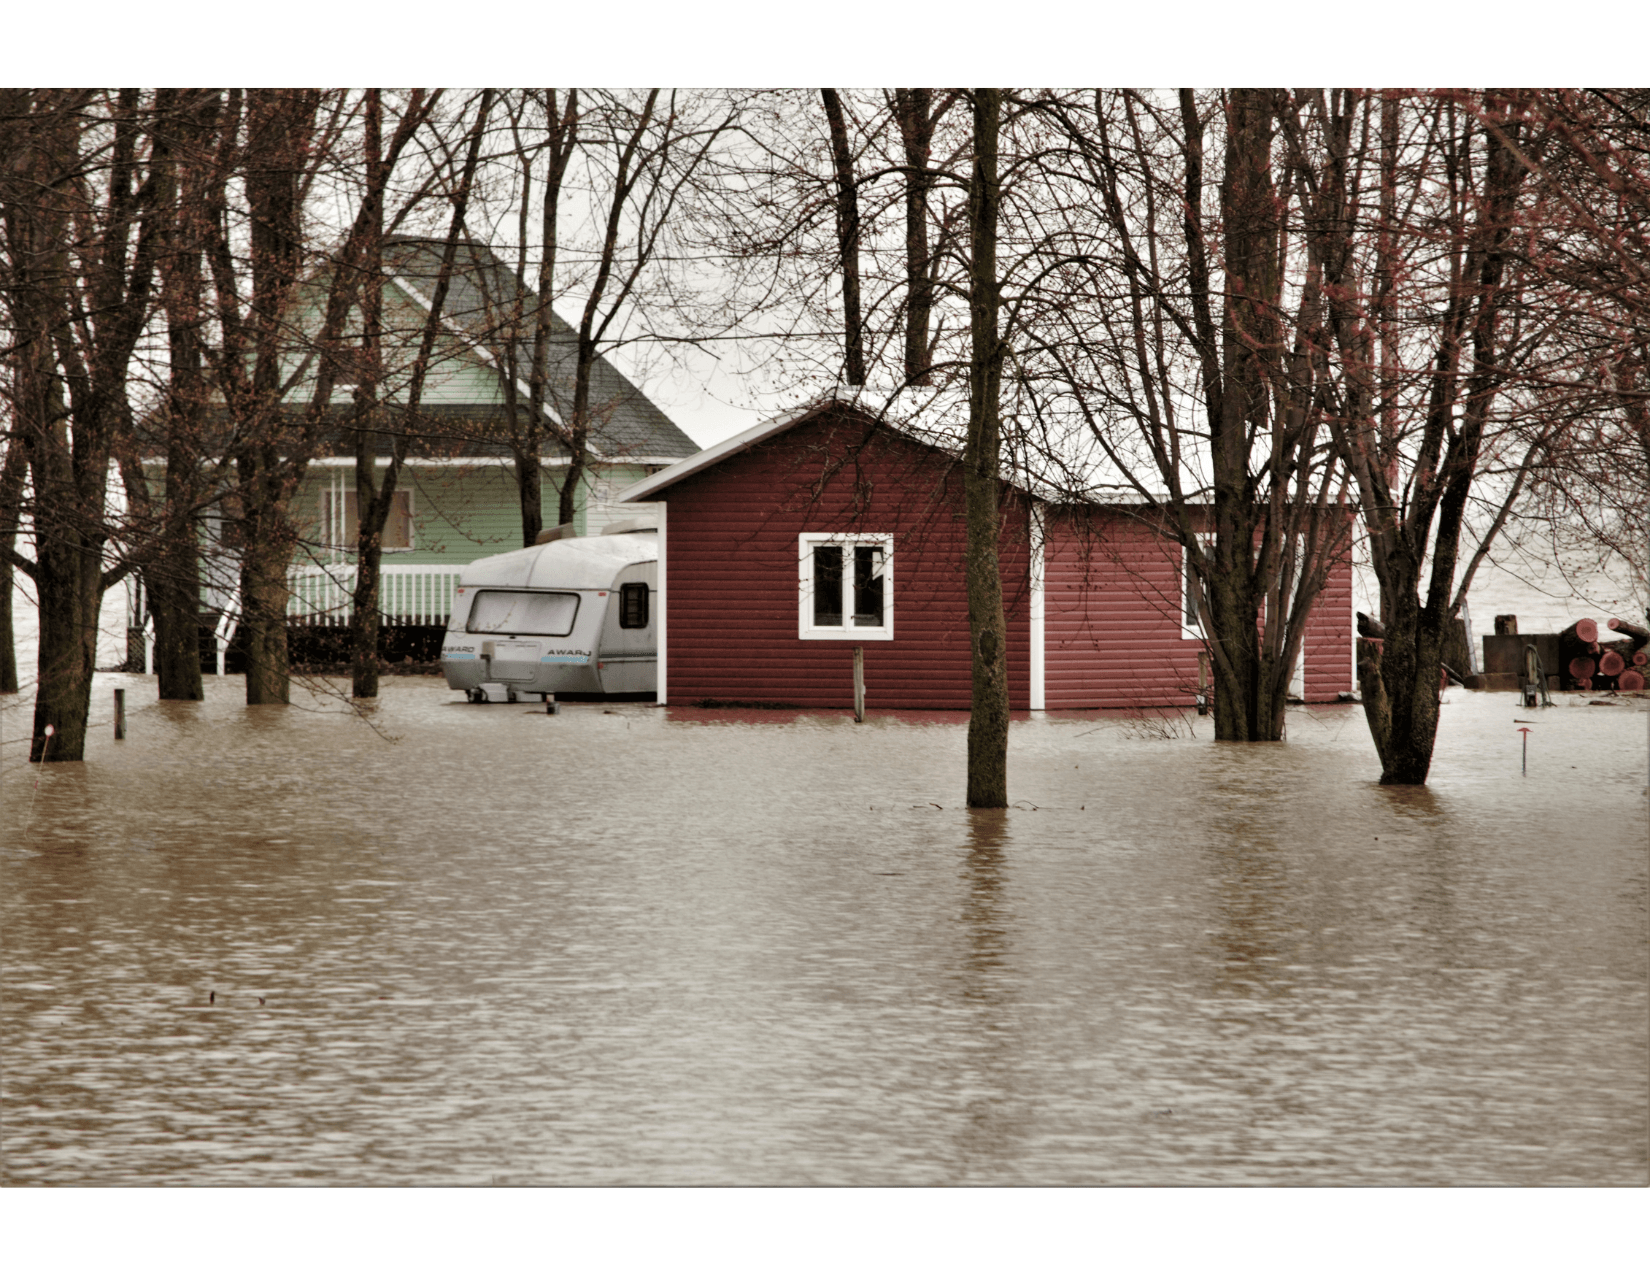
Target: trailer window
[(545, 614), (846, 584), (633, 606)]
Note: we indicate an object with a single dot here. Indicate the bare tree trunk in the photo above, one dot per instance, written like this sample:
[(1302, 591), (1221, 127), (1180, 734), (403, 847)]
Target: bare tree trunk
[(914, 109), (68, 570), (172, 582), (364, 613), (12, 472), (988, 627), (279, 123), (631, 163), (172, 578), (847, 230), (1243, 708), (564, 136), (268, 541)]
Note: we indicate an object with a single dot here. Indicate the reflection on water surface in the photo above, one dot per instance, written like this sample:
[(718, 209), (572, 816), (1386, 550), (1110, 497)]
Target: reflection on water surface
[(679, 946)]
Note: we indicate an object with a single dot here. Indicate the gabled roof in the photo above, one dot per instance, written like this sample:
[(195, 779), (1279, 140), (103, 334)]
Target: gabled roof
[(847, 397), (946, 444), (481, 293)]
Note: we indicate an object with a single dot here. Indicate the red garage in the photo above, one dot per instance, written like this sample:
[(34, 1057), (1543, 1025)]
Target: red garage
[(784, 548)]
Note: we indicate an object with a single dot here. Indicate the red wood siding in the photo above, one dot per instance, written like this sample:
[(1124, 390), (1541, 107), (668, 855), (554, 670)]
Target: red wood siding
[(731, 559), (1111, 629), (1328, 645)]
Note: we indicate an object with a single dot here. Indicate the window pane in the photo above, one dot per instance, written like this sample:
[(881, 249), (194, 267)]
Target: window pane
[(633, 606), (828, 586), (868, 589), (550, 614), (1194, 593)]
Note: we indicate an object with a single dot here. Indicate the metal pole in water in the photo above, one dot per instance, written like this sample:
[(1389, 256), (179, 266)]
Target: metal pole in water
[(1524, 769), (120, 714)]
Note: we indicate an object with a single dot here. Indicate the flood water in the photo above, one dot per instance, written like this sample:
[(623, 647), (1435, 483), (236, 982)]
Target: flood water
[(642, 945)]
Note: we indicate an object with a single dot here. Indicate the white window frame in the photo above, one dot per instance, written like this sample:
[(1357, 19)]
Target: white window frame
[(1207, 542), (847, 631)]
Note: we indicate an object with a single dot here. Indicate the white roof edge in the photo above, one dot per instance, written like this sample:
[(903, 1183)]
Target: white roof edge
[(709, 456)]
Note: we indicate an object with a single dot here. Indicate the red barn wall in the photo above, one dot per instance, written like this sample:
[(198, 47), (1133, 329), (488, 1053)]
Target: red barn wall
[(1112, 632), (1329, 628), (731, 564), (1111, 628)]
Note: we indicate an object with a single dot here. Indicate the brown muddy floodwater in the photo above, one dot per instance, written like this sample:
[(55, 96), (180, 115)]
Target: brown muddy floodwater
[(688, 946)]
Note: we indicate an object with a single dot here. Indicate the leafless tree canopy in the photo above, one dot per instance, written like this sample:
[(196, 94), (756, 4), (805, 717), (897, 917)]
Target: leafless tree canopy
[(1267, 323)]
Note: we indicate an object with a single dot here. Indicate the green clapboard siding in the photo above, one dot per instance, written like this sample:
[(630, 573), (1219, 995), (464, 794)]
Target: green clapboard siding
[(464, 512), (460, 512)]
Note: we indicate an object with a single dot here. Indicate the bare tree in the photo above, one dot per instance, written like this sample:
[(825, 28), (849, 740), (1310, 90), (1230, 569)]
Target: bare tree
[(77, 206), (982, 461), (278, 142), (171, 573), (1171, 362), (623, 176), (1424, 322), (527, 435), (1592, 168), (847, 233), (375, 492), (917, 117)]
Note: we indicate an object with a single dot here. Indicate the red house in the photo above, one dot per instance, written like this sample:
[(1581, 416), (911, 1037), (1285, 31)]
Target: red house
[(784, 548)]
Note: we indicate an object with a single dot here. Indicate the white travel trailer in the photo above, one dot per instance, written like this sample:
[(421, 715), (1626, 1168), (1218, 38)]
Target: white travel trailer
[(574, 615)]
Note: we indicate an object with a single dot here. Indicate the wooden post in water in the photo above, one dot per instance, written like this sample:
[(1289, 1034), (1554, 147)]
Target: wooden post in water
[(859, 683), (1202, 683), (120, 714)]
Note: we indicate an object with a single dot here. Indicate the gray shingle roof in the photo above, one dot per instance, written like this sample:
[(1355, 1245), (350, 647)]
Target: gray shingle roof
[(481, 294)]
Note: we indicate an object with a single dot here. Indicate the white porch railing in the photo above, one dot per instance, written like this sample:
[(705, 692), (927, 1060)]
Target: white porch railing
[(319, 595), (406, 595)]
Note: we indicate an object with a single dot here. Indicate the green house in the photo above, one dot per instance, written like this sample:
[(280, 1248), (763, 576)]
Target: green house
[(457, 498)]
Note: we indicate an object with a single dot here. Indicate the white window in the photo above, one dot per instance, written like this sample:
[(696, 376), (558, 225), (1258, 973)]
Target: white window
[(845, 587)]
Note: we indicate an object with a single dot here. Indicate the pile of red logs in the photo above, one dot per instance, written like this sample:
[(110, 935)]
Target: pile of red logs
[(1592, 665)]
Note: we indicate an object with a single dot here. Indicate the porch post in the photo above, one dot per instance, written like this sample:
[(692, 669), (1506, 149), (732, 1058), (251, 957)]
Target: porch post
[(660, 695)]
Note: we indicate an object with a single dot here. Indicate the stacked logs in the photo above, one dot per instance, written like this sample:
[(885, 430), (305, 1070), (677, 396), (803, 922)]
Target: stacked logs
[(1591, 665)]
